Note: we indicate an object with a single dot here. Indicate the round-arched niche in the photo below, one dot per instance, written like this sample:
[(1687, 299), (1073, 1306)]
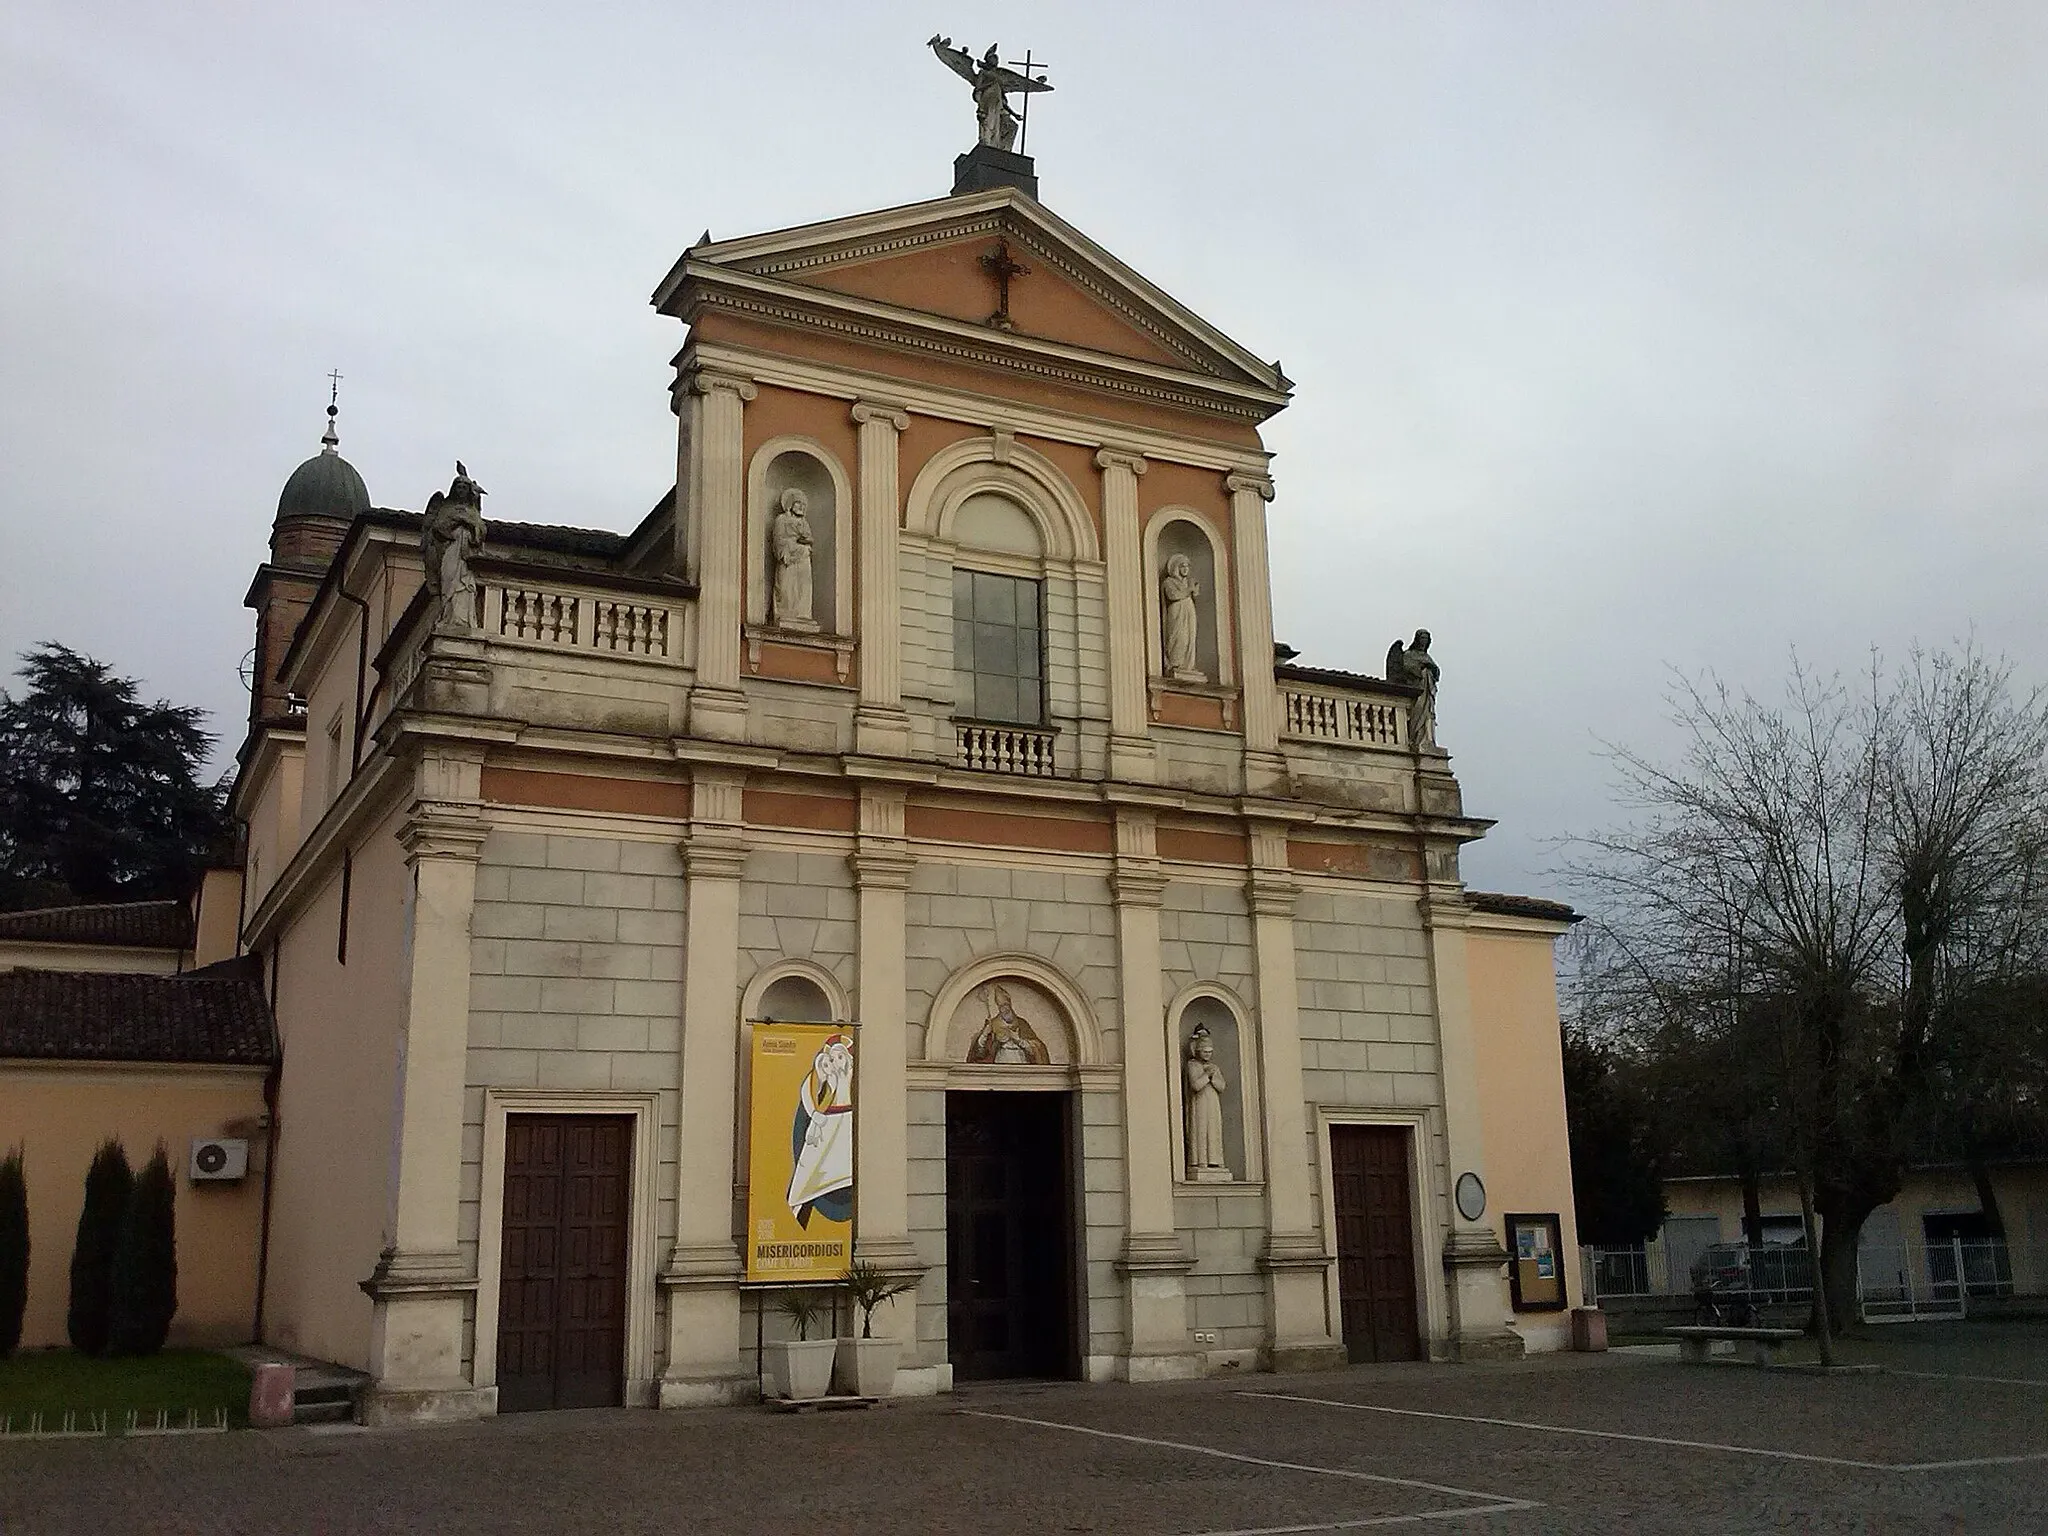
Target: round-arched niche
[(780, 523), (1181, 540), (1210, 1068), (795, 992)]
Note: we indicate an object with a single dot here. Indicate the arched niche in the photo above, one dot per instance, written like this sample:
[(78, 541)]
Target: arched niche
[(1187, 533), (975, 1017), (794, 992), (804, 466), (1214, 1010)]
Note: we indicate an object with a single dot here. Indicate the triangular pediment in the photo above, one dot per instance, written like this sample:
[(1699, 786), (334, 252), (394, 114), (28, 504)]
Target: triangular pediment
[(931, 262)]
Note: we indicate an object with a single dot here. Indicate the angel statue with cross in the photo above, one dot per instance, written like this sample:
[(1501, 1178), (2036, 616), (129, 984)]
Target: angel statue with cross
[(992, 82)]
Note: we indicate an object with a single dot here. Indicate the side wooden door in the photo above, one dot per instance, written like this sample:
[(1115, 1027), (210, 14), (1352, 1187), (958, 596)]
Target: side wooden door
[(1375, 1242), (562, 1271)]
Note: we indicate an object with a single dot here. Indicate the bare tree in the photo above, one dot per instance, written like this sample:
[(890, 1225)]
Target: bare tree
[(1811, 898)]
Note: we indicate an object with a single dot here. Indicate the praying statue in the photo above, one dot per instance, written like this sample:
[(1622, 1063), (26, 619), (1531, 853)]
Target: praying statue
[(789, 548), (1412, 665), (1007, 1039), (1207, 1163), (452, 535), (992, 83), (1178, 590)]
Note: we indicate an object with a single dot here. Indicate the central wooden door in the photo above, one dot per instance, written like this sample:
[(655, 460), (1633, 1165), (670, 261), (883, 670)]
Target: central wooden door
[(562, 1274), (1375, 1242), (1010, 1291)]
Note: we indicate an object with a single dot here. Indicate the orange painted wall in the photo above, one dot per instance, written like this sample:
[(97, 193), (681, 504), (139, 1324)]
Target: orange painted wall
[(1513, 977), (949, 280), (59, 1113)]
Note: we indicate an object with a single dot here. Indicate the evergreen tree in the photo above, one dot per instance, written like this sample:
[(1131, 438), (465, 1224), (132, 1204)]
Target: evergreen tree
[(107, 1184), (1617, 1186), (13, 1251), (100, 798), (145, 1273)]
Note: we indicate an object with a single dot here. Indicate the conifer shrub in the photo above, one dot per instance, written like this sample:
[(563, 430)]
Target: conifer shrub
[(13, 1251), (144, 1283), (107, 1184)]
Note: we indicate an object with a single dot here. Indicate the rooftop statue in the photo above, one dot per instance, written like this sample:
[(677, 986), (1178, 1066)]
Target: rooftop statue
[(451, 535), (992, 82), (1413, 665)]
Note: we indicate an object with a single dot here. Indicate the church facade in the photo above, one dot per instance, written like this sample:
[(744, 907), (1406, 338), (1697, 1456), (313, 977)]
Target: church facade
[(939, 701)]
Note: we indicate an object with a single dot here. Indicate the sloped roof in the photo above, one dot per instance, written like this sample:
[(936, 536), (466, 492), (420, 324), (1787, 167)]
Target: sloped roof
[(215, 1017), (125, 924), (1500, 904)]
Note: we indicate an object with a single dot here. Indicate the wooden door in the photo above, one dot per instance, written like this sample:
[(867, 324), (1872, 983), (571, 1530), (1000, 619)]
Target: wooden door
[(562, 1274), (1009, 1287), (1375, 1242)]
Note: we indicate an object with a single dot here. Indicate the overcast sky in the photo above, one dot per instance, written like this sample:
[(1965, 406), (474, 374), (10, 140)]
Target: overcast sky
[(1625, 336)]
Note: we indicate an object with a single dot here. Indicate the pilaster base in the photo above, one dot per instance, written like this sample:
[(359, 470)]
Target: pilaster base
[(1155, 1267), (1191, 1366), (880, 732), (1133, 759), (447, 1402), (1474, 1266), (1297, 1321), (708, 1391), (719, 714), (1290, 1359), (704, 1365)]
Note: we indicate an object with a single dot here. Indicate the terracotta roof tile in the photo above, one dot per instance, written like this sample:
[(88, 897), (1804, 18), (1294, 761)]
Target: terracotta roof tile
[(216, 1016), (1502, 905), (129, 924)]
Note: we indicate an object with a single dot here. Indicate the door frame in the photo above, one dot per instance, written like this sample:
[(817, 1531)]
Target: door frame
[(1075, 1358), (1425, 1221), (642, 1189)]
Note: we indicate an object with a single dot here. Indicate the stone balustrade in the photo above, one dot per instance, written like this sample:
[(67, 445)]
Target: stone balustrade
[(1316, 712), (581, 621), (1026, 750)]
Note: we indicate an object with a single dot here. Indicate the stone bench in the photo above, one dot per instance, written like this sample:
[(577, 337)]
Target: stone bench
[(1696, 1341)]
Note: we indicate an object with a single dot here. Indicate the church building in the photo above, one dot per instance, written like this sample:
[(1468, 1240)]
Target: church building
[(938, 701)]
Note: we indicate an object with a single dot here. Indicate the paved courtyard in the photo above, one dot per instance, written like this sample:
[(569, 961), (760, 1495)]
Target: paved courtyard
[(1615, 1443)]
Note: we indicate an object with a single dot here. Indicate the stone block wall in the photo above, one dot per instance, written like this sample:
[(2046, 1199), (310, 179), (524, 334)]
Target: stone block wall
[(576, 959), (1226, 1226)]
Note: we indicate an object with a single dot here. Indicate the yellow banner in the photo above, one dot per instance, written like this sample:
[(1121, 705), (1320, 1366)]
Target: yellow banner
[(800, 1154)]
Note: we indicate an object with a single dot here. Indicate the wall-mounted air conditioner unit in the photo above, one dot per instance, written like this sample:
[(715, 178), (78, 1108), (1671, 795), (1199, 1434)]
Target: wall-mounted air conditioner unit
[(219, 1159)]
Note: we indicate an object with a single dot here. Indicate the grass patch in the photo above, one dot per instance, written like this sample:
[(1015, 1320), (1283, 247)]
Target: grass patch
[(53, 1382)]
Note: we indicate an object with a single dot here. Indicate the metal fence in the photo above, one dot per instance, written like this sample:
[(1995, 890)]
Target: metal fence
[(1913, 1282)]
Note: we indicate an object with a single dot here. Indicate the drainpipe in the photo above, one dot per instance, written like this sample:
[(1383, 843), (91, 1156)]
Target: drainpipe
[(271, 1080), (355, 735)]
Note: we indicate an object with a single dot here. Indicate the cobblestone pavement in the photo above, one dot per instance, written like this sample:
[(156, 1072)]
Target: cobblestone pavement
[(1570, 1443)]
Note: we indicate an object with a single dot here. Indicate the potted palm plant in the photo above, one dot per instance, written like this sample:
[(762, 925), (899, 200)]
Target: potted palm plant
[(867, 1365), (802, 1366)]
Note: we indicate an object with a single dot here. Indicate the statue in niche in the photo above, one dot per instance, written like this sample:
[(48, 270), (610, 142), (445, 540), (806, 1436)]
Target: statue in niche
[(452, 535), (1207, 1163), (1411, 664), (789, 549), (1180, 621), (1006, 1039)]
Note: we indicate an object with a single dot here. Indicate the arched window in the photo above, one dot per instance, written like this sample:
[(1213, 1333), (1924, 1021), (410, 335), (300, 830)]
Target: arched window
[(998, 612)]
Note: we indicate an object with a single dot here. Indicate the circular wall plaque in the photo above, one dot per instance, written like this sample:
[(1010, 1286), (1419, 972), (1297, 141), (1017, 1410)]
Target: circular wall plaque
[(1471, 1196)]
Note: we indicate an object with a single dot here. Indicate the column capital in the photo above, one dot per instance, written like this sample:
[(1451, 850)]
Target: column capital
[(702, 1264), (699, 380), (1120, 458), (1138, 885), (1445, 911), (713, 857), (883, 869), (866, 411), (1241, 483), (1271, 893), (437, 829)]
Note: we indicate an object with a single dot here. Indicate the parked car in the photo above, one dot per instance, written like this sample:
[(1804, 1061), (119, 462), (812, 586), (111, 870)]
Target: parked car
[(1731, 1282)]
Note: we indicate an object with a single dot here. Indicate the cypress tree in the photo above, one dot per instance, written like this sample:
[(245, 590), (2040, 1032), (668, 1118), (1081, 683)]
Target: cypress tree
[(107, 1184), (145, 1275), (13, 1251)]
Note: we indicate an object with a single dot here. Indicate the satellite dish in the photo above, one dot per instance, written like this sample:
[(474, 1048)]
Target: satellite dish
[(247, 670)]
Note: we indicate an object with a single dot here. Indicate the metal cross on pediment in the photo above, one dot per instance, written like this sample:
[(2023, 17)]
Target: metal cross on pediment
[(1002, 266)]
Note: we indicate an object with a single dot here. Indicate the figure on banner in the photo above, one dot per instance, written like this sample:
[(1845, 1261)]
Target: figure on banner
[(1006, 1039), (821, 1135)]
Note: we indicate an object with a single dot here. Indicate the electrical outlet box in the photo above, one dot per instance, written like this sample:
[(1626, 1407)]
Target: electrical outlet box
[(1203, 1337)]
